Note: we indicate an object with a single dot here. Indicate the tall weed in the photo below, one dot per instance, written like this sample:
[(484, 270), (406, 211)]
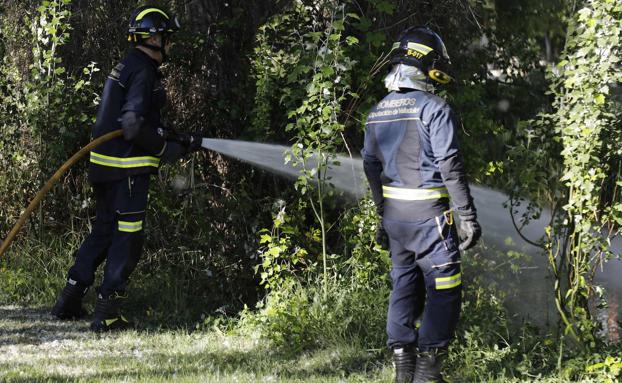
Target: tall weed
[(301, 316)]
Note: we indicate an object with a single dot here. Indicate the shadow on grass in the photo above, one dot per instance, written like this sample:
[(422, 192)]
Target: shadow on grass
[(211, 366), (19, 324), (35, 326), (214, 360)]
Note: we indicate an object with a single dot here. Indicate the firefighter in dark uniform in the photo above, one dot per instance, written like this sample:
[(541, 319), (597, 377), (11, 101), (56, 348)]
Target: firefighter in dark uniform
[(120, 170), (414, 169)]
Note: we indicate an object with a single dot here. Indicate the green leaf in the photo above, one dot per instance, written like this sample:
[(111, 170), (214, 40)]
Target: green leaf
[(364, 24), (328, 71), (79, 85), (351, 40), (274, 251), (376, 39), (327, 111), (599, 99), (265, 238), (385, 7)]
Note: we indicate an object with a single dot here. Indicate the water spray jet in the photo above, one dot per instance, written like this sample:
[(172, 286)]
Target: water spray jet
[(346, 174)]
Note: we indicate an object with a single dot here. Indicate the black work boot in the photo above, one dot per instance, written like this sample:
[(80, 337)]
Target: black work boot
[(404, 359), (428, 367), (69, 303), (108, 315)]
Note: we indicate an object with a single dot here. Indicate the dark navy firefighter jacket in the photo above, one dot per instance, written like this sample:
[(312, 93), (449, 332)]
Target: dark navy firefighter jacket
[(411, 158), (134, 85)]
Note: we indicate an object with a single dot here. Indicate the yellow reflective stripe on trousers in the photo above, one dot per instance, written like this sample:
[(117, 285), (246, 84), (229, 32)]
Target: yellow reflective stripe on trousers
[(448, 282), (130, 227), (414, 194), (124, 163)]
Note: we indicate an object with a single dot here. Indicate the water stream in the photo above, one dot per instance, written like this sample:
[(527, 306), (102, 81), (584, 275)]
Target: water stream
[(499, 232)]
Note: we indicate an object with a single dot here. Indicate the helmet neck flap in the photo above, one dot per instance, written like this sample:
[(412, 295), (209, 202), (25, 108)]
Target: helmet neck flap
[(404, 76)]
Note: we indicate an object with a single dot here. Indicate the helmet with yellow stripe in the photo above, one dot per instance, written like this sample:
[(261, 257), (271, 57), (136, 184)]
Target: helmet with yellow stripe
[(147, 21), (423, 48)]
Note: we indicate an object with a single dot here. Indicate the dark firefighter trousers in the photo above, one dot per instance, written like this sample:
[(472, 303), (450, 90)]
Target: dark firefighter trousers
[(424, 306), (116, 236)]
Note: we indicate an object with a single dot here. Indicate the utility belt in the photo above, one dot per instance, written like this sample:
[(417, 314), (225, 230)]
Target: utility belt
[(408, 204)]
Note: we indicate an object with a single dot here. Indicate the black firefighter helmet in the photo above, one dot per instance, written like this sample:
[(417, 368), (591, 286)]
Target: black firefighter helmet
[(146, 21), (421, 47)]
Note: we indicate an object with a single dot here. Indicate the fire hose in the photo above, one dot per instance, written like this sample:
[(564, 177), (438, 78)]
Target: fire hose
[(51, 182)]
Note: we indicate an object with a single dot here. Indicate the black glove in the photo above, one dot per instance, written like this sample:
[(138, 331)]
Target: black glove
[(382, 238), (470, 231)]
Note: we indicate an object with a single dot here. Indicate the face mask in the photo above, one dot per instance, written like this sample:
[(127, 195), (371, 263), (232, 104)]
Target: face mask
[(406, 77)]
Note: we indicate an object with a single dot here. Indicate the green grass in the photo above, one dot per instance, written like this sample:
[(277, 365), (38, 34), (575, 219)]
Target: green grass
[(36, 348)]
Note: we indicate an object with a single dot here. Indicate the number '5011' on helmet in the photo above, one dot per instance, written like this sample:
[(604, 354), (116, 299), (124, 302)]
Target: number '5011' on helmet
[(146, 21), (421, 47)]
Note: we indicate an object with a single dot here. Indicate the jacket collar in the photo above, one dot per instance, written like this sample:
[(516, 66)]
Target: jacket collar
[(144, 57)]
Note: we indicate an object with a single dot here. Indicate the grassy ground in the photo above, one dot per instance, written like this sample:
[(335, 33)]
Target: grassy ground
[(36, 348)]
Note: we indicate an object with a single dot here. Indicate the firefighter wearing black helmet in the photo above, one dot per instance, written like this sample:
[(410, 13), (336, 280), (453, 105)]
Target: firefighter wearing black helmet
[(120, 170), (418, 183)]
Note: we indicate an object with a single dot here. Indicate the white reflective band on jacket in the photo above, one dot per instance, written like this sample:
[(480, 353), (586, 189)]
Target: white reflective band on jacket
[(414, 194), (130, 227), (124, 163)]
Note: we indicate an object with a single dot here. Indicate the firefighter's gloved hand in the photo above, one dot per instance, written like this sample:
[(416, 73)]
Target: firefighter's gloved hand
[(131, 123), (382, 238), (470, 231), (192, 141), (173, 152), (165, 132)]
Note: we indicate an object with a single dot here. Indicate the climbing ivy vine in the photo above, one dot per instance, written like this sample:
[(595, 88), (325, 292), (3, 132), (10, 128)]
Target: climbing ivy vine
[(587, 122)]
